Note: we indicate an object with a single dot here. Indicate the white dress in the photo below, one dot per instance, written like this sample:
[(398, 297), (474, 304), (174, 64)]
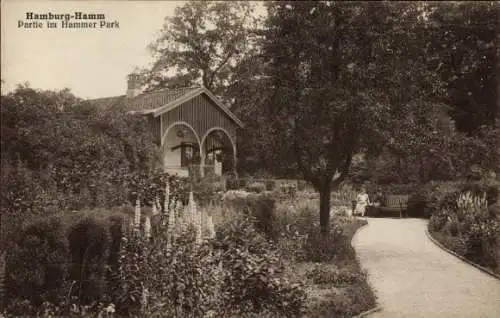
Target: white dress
[(362, 201)]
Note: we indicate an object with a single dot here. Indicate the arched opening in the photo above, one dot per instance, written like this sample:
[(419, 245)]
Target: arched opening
[(181, 149), (218, 152)]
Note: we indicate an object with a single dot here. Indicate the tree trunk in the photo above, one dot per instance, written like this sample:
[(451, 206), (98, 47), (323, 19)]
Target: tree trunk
[(324, 207)]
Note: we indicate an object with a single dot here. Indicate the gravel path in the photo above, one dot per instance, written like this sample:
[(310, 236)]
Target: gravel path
[(412, 277)]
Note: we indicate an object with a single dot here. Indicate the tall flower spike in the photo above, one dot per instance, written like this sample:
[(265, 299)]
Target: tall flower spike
[(137, 214), (132, 223), (191, 209), (196, 218), (157, 204), (171, 205), (210, 227), (154, 211), (167, 197), (180, 210), (147, 227), (171, 227)]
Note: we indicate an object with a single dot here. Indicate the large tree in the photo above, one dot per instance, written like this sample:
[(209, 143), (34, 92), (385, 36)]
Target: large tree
[(465, 37), (341, 73), (205, 42), (459, 38)]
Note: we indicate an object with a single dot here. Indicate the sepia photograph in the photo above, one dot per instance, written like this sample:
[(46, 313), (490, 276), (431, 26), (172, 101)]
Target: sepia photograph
[(244, 159)]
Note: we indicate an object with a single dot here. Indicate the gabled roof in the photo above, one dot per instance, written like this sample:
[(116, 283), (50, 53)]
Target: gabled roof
[(161, 101)]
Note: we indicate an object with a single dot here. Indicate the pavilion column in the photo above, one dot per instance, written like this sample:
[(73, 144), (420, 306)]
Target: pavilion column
[(235, 158), (202, 161)]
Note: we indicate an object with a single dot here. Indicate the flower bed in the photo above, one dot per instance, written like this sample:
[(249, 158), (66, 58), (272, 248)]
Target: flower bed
[(261, 258), (469, 227), (335, 283)]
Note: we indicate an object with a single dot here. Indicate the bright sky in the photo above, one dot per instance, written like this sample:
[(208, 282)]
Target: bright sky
[(91, 62)]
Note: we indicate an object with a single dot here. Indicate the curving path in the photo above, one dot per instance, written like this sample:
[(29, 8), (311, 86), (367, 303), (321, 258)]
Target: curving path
[(412, 277)]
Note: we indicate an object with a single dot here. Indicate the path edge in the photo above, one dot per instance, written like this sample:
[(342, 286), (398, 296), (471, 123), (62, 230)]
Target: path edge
[(463, 259), (377, 306), (368, 312)]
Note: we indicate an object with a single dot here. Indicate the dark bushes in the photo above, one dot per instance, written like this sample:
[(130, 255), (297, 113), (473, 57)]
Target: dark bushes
[(256, 187), (270, 185), (323, 275), (470, 227), (37, 263), (58, 158), (321, 247), (88, 244), (433, 197), (490, 188), (255, 280), (418, 205), (262, 207)]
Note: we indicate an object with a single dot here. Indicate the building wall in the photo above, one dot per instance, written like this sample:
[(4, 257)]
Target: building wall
[(172, 158), (202, 114)]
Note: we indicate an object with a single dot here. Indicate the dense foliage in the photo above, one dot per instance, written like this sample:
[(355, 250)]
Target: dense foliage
[(437, 92), (329, 94), (208, 43), (61, 153), (100, 269), (467, 221), (409, 86)]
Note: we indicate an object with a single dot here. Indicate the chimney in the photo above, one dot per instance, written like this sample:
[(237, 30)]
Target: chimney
[(133, 85)]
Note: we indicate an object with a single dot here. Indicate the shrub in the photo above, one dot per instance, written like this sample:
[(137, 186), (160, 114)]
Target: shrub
[(471, 229), (482, 239), (494, 211), (88, 243), (490, 188), (260, 206), (238, 272), (438, 221), (330, 275), (289, 190), (116, 234), (205, 191), (418, 204), (344, 195), (232, 182), (255, 280), (177, 281), (400, 189), (301, 185), (242, 183), (270, 185), (442, 195), (36, 266), (320, 247), (453, 225), (24, 194), (257, 187), (294, 221), (354, 300)]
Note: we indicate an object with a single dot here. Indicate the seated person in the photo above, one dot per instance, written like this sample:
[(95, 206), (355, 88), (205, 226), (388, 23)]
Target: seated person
[(378, 198), (362, 201)]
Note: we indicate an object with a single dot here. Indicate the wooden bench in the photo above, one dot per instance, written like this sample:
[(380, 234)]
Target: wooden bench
[(395, 203)]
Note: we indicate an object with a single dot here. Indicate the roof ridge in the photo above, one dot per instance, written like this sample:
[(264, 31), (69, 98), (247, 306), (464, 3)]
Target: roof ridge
[(150, 92), (170, 89), (102, 98)]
